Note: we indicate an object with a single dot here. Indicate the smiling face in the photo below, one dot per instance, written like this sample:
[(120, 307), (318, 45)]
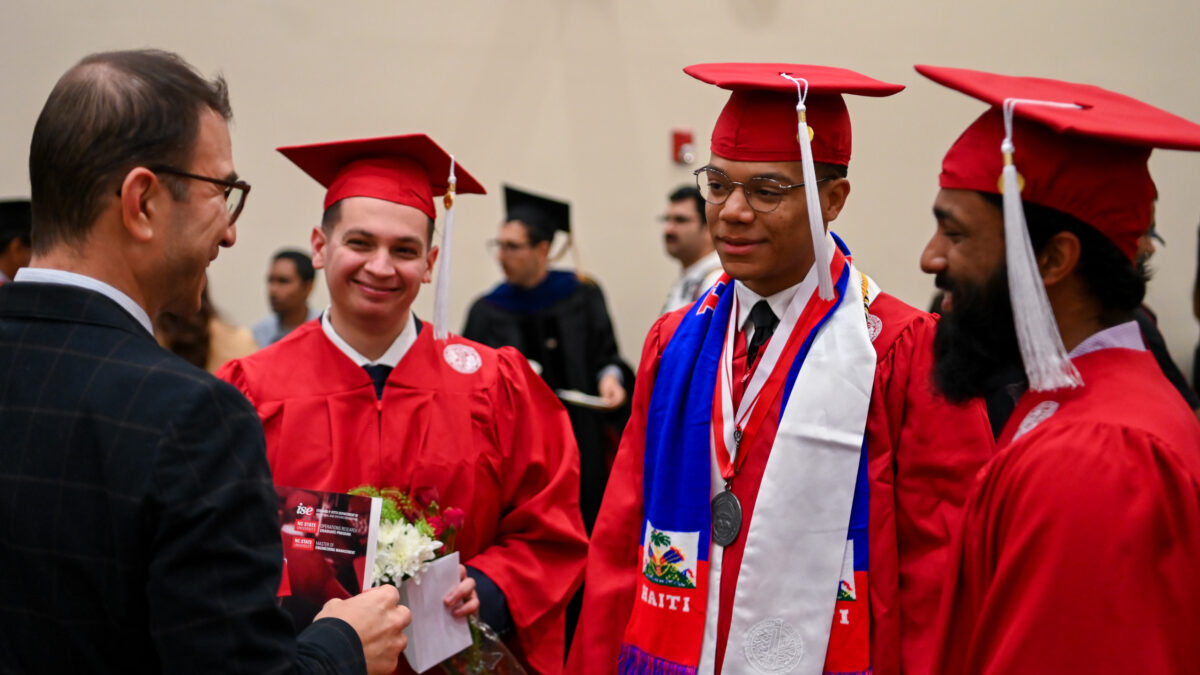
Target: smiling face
[(975, 348), (375, 257), (769, 252), (968, 246), (199, 223)]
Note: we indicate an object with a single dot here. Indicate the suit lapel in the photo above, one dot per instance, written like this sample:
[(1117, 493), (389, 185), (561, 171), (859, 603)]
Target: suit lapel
[(61, 302)]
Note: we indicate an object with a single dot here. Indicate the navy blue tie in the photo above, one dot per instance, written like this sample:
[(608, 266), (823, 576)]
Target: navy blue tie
[(379, 374), (764, 321)]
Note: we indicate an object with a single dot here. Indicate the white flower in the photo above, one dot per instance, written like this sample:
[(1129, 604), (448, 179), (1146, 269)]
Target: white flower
[(403, 552)]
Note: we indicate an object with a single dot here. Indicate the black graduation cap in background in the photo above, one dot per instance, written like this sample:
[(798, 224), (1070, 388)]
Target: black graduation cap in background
[(543, 214), (16, 218)]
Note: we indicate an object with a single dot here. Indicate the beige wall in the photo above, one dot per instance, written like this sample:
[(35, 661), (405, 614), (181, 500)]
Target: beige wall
[(576, 98)]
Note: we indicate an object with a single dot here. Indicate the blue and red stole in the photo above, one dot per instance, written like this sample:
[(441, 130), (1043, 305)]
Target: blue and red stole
[(666, 629)]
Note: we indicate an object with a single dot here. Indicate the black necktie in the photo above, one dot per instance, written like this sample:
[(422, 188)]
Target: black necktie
[(765, 322), (379, 374)]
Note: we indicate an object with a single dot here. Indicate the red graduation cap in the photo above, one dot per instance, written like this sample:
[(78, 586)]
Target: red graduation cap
[(409, 169), (1076, 148), (758, 123), (783, 112), (1088, 160)]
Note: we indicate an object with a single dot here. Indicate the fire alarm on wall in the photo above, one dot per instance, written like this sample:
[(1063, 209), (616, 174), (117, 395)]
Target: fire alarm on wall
[(682, 151)]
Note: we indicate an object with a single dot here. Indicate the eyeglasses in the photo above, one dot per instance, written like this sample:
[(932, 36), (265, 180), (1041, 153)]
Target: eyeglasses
[(235, 190), (498, 246), (763, 194)]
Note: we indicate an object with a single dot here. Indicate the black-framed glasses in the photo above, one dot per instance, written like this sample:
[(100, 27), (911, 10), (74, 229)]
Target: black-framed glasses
[(495, 246), (235, 190), (763, 194)]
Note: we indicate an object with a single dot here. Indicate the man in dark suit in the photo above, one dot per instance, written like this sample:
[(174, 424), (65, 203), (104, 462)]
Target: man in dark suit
[(138, 525)]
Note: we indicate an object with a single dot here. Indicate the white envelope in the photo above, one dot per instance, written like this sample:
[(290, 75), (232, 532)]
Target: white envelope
[(434, 634)]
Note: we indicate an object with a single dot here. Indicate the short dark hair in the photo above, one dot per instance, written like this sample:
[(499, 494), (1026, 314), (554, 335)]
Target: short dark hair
[(111, 112), (827, 170), (303, 263), (1116, 282), (686, 192), (334, 213), (15, 222)]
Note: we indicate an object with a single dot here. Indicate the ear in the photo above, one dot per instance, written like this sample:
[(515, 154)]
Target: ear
[(833, 198), (543, 248), (141, 194), (430, 259), (1059, 258), (319, 242)]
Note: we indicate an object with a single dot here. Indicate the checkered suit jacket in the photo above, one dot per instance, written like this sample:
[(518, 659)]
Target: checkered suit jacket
[(138, 524)]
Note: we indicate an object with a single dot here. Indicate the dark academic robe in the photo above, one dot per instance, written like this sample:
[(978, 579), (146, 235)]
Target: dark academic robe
[(922, 455), (1080, 546), (472, 423), (563, 325)]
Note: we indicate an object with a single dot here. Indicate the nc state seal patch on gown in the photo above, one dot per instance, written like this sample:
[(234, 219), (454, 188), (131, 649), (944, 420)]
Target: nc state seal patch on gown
[(462, 358)]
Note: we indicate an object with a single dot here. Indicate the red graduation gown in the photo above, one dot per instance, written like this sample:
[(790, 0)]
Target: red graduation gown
[(923, 453), (1080, 546), (495, 443)]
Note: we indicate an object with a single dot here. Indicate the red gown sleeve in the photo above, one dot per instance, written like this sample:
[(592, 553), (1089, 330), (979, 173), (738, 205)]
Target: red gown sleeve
[(1079, 555), (612, 565), (924, 454), (538, 554), (233, 373)]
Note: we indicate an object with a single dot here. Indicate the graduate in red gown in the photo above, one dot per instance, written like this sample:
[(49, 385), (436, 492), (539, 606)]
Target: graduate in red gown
[(1079, 549), (368, 394), (784, 493)]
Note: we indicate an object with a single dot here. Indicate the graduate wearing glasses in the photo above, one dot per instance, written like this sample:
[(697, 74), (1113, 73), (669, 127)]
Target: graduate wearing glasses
[(783, 494)]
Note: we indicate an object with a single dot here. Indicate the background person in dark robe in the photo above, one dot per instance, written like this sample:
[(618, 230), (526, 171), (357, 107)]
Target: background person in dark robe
[(559, 321)]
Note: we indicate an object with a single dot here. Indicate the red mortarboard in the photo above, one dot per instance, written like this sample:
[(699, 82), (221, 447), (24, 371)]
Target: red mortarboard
[(1079, 149), (758, 123), (409, 169), (1088, 162)]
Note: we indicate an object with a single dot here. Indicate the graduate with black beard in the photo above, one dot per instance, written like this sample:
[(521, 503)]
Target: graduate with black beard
[(1095, 485)]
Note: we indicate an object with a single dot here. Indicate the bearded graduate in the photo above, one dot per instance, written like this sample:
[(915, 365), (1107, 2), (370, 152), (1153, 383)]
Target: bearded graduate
[(372, 395), (1079, 548)]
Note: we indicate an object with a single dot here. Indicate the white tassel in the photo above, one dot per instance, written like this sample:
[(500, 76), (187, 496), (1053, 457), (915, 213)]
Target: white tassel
[(1047, 364), (816, 222), (441, 289)]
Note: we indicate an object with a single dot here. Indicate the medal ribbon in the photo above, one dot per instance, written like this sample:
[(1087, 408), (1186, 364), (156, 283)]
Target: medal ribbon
[(802, 316)]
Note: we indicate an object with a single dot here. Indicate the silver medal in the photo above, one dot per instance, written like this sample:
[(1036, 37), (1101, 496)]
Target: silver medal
[(726, 518)]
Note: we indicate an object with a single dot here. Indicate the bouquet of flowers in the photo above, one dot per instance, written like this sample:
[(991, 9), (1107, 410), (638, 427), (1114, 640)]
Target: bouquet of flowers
[(413, 531)]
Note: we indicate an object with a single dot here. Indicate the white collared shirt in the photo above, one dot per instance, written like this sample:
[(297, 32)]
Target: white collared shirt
[(1123, 335), (45, 275), (747, 299), (400, 346), (694, 280)]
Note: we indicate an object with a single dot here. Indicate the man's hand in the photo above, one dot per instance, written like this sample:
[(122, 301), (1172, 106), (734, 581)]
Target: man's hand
[(463, 600), (379, 620), (611, 391)]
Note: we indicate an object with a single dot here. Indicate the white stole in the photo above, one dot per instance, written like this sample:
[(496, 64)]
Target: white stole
[(796, 546)]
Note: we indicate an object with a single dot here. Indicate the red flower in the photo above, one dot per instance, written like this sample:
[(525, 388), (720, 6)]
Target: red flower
[(454, 517), (436, 523), (424, 497)]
